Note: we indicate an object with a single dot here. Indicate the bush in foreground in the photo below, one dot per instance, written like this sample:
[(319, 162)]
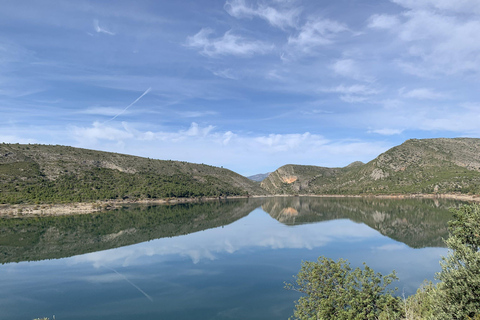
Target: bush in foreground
[(332, 290)]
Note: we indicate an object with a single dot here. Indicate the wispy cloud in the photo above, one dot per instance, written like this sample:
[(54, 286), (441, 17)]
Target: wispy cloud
[(206, 144), (228, 44), (383, 21), (349, 68), (102, 111), (422, 94), (99, 29), (280, 18), (463, 6), (314, 33), (386, 131), (438, 40), (353, 89)]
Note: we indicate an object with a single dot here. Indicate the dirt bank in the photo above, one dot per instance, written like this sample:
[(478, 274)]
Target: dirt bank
[(35, 210)]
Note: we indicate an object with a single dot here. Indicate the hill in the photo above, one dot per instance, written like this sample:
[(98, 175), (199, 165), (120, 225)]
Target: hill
[(48, 174), (416, 166)]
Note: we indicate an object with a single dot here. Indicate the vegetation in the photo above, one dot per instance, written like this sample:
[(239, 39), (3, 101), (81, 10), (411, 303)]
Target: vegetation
[(58, 174), (416, 166), (334, 291), (459, 285)]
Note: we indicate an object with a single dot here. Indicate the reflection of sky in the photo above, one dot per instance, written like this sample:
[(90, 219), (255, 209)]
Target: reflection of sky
[(257, 230), (231, 272)]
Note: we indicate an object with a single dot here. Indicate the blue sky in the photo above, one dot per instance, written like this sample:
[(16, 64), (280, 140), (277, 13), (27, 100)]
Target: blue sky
[(247, 85)]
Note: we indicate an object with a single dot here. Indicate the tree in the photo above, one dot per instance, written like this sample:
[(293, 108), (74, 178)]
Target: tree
[(334, 291), (460, 276)]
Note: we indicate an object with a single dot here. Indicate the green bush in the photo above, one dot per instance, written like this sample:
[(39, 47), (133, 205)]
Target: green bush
[(333, 290), (460, 276)]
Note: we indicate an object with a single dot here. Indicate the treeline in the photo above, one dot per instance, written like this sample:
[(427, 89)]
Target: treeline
[(104, 184)]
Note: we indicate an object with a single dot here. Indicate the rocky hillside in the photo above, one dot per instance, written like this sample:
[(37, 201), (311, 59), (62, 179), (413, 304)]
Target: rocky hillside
[(416, 166), (298, 179), (44, 173)]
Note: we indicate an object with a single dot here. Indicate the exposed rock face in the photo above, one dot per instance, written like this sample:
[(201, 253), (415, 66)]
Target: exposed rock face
[(378, 174), (416, 166), (290, 179), (295, 178)]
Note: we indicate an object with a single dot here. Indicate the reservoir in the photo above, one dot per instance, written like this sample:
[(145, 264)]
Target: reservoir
[(226, 259)]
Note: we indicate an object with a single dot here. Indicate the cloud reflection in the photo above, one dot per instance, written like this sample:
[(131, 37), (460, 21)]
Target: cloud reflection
[(256, 231)]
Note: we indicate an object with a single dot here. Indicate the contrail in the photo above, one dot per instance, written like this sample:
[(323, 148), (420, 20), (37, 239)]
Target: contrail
[(126, 279), (131, 104)]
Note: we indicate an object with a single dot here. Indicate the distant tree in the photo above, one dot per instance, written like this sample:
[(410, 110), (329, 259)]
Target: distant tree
[(333, 290), (460, 276)]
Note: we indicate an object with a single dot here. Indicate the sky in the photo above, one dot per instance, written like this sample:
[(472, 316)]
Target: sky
[(249, 85)]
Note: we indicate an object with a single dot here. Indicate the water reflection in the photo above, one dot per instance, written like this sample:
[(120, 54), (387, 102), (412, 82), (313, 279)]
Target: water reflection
[(207, 261), (418, 223)]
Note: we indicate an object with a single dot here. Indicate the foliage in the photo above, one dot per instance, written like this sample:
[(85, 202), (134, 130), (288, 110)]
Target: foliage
[(57, 174), (333, 290), (460, 276), (416, 166), (423, 304)]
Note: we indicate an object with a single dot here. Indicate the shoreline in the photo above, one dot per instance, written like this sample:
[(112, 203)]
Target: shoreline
[(61, 209)]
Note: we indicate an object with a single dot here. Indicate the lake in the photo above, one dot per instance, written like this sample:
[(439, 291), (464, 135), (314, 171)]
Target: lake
[(224, 259)]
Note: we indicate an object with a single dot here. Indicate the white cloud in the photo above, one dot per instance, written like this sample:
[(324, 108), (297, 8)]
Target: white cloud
[(286, 142), (458, 6), (99, 29), (353, 89), (349, 68), (438, 39), (228, 44), (357, 93), (236, 151), (280, 18), (226, 73), (196, 114), (103, 111), (422, 94), (383, 21), (315, 33), (386, 131), (15, 139), (353, 98)]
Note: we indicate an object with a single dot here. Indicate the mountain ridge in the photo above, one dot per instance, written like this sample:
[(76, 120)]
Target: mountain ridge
[(39, 174), (416, 166), (49, 174)]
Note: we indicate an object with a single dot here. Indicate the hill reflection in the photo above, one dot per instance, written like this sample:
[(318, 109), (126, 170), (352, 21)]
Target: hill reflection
[(418, 223)]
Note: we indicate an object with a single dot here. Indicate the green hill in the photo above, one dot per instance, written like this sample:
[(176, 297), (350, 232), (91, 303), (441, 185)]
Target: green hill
[(48, 174), (416, 166)]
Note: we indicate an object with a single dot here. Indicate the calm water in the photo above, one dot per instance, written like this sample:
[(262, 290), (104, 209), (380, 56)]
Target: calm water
[(217, 260)]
